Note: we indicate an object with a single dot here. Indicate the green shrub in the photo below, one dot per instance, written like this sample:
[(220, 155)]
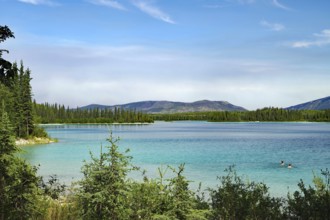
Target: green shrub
[(236, 199), (53, 209), (40, 132), (311, 202), (199, 215)]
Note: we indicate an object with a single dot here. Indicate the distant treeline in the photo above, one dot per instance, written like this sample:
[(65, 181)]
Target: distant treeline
[(54, 113), (265, 114)]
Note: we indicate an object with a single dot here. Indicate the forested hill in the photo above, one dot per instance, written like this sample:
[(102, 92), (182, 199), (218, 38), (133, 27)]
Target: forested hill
[(172, 107), (319, 104)]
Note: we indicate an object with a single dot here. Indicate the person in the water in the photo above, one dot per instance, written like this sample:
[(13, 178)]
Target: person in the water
[(290, 166), (282, 163)]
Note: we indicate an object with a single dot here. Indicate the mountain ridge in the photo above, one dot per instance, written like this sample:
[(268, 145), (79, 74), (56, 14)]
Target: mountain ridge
[(172, 106), (318, 104), (163, 106)]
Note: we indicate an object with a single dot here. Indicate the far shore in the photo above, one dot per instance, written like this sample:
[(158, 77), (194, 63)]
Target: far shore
[(34, 141), (114, 123)]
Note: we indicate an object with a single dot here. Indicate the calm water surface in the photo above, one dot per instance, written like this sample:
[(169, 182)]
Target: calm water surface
[(206, 148)]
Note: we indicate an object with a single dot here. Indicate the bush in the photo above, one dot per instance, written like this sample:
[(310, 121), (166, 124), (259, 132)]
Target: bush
[(53, 209), (311, 202), (40, 132), (235, 199)]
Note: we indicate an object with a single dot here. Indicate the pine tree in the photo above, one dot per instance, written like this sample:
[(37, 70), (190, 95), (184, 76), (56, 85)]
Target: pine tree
[(17, 105), (26, 102), (104, 187)]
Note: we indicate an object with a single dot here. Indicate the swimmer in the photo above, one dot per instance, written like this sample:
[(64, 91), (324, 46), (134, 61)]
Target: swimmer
[(282, 163), (289, 166)]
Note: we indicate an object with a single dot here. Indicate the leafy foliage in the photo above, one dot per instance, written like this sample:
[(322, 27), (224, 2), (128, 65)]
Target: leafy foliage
[(236, 199), (311, 202), (163, 198)]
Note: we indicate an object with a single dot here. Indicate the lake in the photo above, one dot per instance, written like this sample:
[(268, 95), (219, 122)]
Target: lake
[(256, 150)]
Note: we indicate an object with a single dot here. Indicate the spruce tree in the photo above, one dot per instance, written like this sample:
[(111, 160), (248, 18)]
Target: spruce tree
[(104, 187), (17, 105), (26, 103)]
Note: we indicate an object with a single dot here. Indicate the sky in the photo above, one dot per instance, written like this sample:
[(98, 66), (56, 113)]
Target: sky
[(251, 53)]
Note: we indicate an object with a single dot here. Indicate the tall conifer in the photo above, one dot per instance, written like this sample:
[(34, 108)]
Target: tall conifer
[(26, 102)]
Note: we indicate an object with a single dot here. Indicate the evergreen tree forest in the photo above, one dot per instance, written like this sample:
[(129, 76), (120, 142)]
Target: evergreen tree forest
[(263, 115), (54, 113)]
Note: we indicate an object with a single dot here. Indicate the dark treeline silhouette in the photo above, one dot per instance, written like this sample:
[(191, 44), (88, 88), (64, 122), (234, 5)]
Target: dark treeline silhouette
[(54, 113), (265, 114)]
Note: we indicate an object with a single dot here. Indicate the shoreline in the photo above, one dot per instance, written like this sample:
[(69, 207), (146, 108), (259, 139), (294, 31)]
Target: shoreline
[(115, 123), (34, 141)]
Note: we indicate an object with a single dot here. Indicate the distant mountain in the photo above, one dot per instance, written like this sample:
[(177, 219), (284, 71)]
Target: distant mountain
[(172, 107), (319, 104)]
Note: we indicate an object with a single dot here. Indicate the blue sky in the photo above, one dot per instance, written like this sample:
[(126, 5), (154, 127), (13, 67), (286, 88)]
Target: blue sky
[(252, 53)]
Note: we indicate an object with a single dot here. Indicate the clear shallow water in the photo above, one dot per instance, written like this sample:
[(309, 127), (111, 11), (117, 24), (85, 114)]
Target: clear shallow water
[(206, 148)]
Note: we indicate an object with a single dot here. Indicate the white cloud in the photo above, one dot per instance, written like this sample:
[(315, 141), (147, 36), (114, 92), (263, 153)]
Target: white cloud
[(152, 10), (279, 5), (325, 34), (108, 3), (39, 2), (322, 39), (79, 75), (272, 26), (76, 73)]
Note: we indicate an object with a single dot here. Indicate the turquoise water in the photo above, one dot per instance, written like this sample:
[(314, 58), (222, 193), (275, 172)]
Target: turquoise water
[(206, 149)]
